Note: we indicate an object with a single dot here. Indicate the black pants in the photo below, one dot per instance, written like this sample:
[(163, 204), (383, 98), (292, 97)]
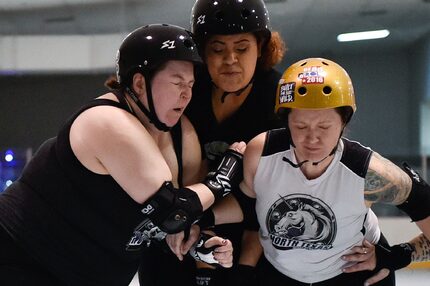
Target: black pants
[(159, 267), (275, 278), (17, 268)]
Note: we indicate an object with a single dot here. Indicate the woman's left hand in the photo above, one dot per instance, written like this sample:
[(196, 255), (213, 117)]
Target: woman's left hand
[(365, 257)]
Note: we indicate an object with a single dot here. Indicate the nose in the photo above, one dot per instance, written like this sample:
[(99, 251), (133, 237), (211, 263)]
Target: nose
[(230, 58), (312, 136), (186, 93)]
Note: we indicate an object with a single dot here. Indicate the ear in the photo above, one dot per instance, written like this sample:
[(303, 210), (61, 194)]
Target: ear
[(139, 83), (259, 47)]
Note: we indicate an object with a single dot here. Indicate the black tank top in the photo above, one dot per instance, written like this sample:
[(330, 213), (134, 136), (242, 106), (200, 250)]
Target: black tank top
[(75, 222)]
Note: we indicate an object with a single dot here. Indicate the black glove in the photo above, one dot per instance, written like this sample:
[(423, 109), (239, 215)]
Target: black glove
[(243, 275), (394, 257), (228, 174)]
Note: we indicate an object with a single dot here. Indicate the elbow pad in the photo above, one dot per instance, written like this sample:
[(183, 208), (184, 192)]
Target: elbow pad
[(247, 204), (417, 205), (228, 174), (173, 210)]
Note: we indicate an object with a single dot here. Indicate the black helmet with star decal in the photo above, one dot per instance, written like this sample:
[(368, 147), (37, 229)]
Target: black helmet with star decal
[(144, 51), (228, 17), (148, 47)]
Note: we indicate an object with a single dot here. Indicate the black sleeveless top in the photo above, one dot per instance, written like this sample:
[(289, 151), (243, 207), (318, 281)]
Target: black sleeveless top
[(254, 116), (75, 222)]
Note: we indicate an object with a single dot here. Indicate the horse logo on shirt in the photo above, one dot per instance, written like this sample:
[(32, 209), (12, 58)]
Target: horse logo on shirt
[(301, 221)]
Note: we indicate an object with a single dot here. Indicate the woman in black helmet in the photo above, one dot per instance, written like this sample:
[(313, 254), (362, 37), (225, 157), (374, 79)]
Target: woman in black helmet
[(233, 99), (234, 91), (113, 179)]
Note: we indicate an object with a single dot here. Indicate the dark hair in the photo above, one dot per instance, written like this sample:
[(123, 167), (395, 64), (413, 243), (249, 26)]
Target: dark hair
[(272, 52)]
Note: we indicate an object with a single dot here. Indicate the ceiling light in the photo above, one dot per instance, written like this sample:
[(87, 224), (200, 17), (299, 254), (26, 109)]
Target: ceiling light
[(359, 36)]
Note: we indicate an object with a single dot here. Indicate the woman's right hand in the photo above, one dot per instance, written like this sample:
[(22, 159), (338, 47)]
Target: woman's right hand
[(179, 245)]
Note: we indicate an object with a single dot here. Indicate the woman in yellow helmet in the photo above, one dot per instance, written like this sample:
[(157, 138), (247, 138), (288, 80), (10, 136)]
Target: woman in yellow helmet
[(309, 189)]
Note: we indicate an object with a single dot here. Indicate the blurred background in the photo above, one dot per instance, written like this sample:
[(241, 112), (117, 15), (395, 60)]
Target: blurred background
[(56, 54)]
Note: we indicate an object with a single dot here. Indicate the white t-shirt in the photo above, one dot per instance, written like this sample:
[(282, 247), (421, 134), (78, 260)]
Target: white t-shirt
[(307, 225)]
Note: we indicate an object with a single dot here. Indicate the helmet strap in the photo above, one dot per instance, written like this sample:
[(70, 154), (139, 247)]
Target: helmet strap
[(236, 93), (150, 113)]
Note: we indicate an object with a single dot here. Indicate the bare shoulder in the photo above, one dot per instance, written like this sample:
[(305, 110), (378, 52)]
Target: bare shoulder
[(251, 159), (385, 182), (256, 145)]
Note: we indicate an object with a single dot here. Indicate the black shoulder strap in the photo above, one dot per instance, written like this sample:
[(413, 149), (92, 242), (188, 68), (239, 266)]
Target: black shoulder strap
[(356, 157), (119, 93), (277, 140), (176, 133)]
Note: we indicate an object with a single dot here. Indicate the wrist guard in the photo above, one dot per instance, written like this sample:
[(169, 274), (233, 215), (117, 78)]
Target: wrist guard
[(200, 253), (394, 257), (417, 205), (229, 173)]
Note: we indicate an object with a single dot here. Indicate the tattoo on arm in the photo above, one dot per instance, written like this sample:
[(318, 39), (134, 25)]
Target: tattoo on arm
[(422, 249), (387, 184)]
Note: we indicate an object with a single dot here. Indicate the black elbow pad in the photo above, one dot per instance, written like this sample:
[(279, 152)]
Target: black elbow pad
[(417, 205), (173, 210), (247, 204)]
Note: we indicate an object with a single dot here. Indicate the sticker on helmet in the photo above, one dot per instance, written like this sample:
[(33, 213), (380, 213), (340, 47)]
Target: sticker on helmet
[(201, 19), (311, 75), (168, 44), (286, 93)]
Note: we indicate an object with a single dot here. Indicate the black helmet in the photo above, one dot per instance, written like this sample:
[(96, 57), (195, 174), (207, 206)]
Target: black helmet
[(227, 17), (146, 48)]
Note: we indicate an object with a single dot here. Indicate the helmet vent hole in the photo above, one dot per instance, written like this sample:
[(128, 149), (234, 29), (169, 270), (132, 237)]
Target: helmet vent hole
[(303, 64), (245, 13), (219, 15), (324, 63), (326, 89), (302, 90)]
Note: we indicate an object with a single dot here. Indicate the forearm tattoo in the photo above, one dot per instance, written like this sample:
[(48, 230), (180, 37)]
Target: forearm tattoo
[(422, 249), (388, 184)]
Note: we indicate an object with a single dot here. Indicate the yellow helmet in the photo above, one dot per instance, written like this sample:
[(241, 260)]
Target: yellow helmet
[(315, 83)]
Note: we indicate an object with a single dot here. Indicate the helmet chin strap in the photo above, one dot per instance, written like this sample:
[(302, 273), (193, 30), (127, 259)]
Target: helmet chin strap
[(150, 113), (298, 165), (237, 92)]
